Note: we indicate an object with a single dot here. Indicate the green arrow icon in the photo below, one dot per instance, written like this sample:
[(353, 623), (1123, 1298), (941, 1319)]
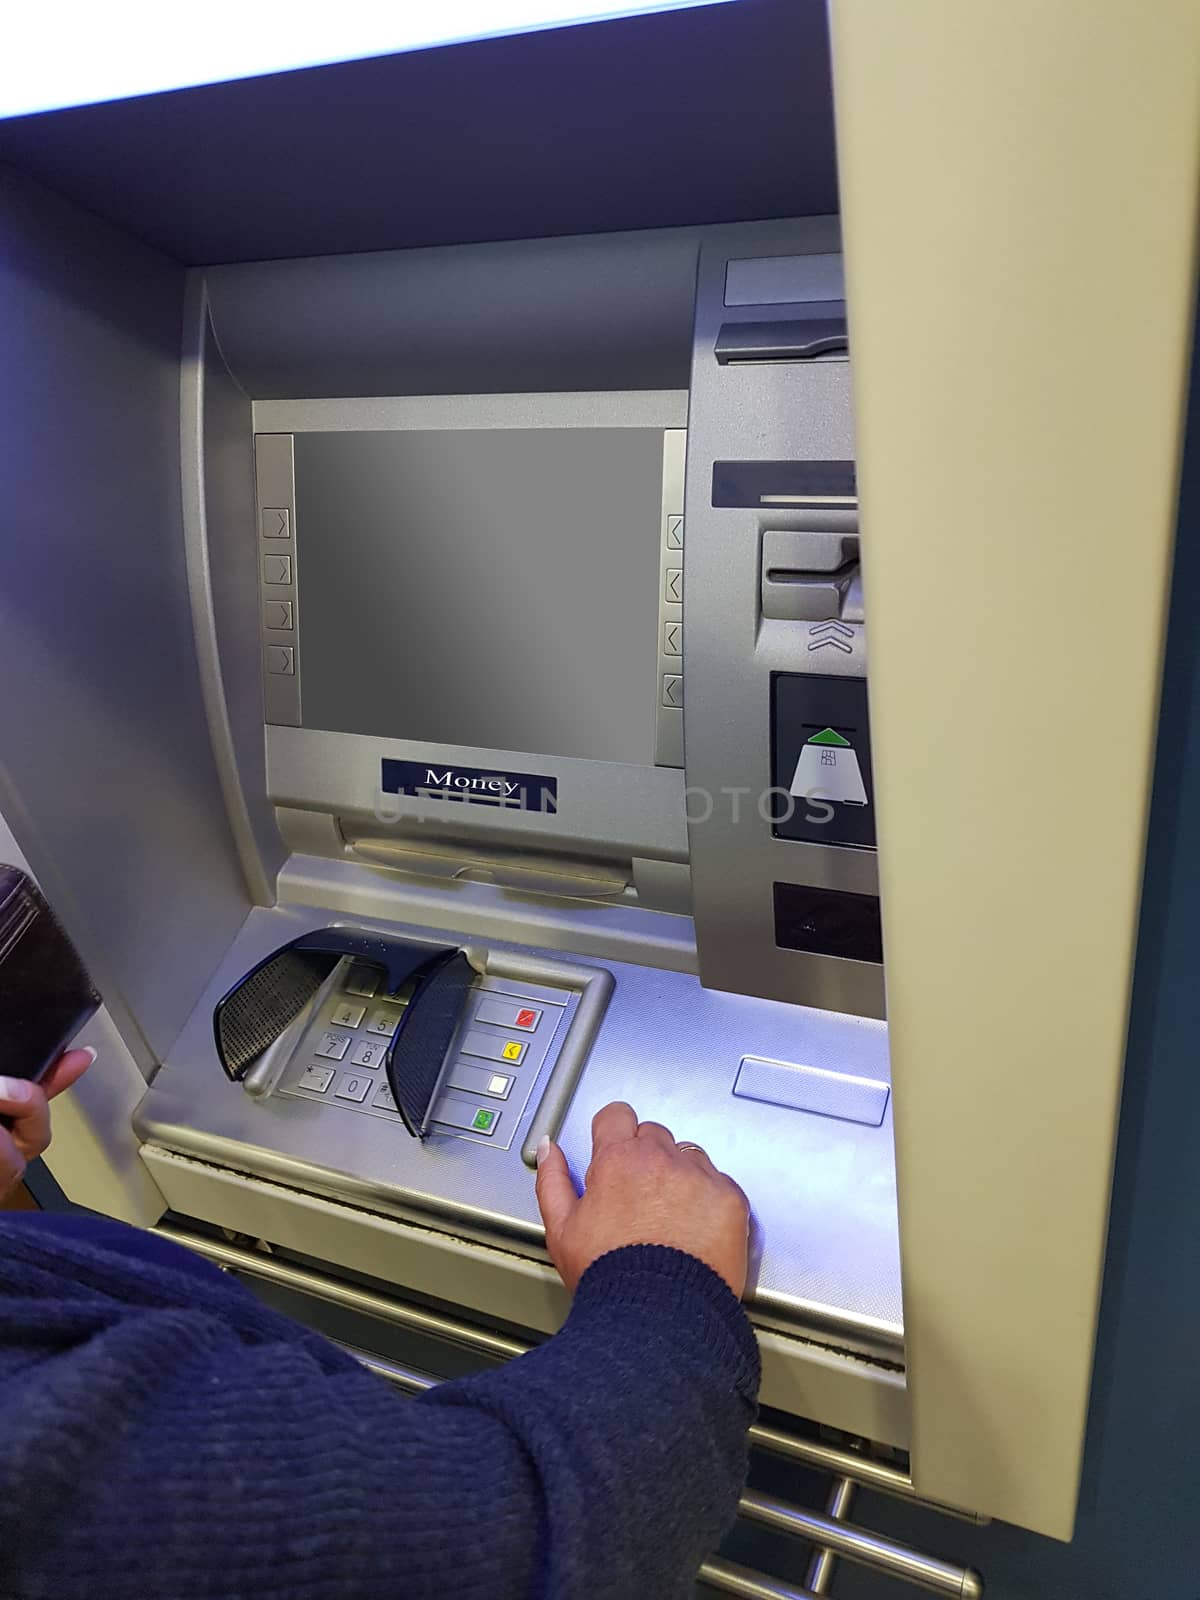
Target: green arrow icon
[(829, 736)]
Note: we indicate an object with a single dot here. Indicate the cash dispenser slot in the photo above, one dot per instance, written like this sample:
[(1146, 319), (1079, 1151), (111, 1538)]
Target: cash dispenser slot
[(526, 871)]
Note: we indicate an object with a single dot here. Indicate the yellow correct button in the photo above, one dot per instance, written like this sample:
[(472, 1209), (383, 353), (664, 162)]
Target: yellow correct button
[(512, 1050)]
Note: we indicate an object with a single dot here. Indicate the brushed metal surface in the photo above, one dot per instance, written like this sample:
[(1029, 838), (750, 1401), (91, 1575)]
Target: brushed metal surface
[(784, 280), (784, 411), (826, 1248), (275, 486), (668, 735), (590, 312), (795, 1086), (217, 473), (607, 408), (605, 807), (107, 774)]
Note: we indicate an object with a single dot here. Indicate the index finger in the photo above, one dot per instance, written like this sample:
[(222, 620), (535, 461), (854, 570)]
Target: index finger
[(613, 1124)]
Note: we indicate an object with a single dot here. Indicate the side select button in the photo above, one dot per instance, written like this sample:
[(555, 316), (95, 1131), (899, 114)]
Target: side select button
[(494, 1048), (276, 522), (509, 1014), (468, 1115)]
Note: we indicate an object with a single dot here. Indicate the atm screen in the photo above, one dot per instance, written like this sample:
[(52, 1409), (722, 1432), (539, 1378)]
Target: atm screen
[(493, 588)]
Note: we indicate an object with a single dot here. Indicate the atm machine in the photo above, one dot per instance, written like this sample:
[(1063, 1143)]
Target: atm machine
[(480, 662), (566, 685)]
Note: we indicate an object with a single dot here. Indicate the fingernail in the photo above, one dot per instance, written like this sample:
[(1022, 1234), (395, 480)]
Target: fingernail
[(543, 1149), (89, 1052), (15, 1089)]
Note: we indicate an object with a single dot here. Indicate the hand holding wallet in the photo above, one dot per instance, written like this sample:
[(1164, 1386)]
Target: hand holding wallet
[(46, 995)]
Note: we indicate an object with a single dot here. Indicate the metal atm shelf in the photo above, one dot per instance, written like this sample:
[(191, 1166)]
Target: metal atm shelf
[(825, 1247)]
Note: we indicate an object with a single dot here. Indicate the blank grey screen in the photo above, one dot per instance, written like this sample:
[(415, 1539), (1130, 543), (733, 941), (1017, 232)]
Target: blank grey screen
[(492, 588)]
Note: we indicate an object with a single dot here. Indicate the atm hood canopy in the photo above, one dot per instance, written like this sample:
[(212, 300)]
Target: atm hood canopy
[(711, 114)]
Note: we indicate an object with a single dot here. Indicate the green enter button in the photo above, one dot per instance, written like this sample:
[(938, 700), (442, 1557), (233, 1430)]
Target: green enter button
[(484, 1121)]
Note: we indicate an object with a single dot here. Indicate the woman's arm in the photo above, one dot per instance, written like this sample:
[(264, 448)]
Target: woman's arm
[(166, 1435)]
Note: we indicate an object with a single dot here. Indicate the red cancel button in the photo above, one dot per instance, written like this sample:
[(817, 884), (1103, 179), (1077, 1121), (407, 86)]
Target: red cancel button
[(527, 1018)]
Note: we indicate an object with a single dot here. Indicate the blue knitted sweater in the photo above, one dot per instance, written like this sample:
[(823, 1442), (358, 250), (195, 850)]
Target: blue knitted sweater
[(164, 1436)]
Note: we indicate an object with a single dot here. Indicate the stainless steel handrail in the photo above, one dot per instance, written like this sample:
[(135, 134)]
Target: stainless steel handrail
[(405, 1378), (236, 1258), (831, 1533), (824, 1563), (870, 1474), (865, 1471), (729, 1578), (866, 1548), (827, 1532)]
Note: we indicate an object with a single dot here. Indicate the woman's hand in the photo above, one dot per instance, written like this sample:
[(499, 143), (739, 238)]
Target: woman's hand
[(641, 1188), (27, 1107)]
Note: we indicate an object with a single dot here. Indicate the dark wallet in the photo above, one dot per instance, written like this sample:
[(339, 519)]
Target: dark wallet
[(46, 995)]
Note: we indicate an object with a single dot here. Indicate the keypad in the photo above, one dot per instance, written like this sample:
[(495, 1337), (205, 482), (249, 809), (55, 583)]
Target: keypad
[(499, 1051)]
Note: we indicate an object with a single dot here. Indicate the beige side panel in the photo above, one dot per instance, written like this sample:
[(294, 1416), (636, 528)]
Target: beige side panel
[(1019, 183), (797, 1376)]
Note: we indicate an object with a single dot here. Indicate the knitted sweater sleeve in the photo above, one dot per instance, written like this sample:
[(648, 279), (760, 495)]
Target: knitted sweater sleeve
[(163, 1434)]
